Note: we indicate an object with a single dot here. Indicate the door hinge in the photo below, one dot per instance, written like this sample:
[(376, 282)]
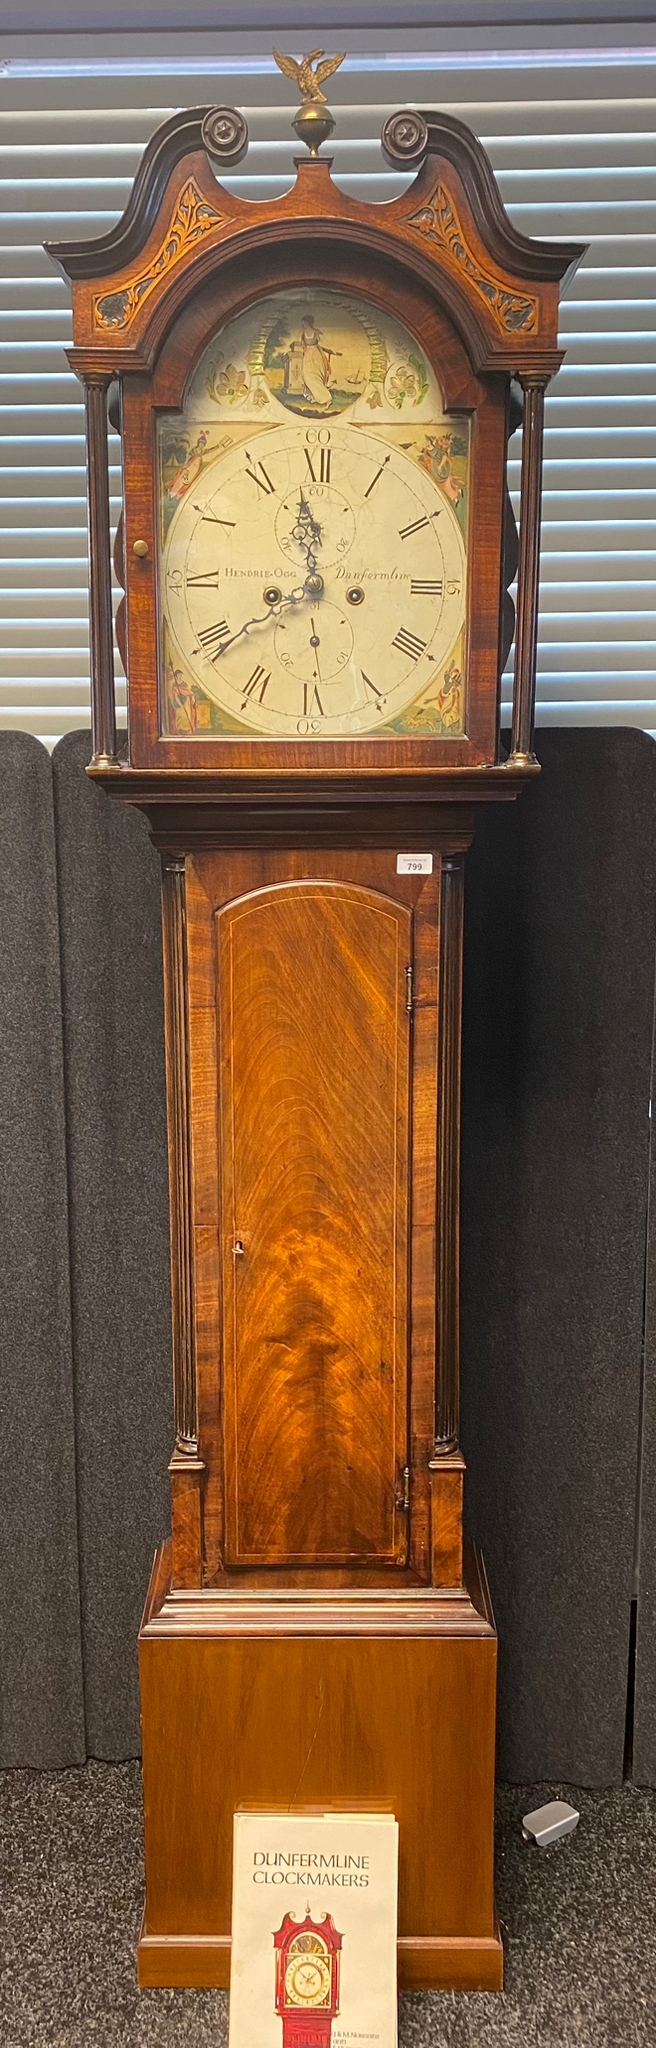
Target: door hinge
[(408, 990), (403, 1495)]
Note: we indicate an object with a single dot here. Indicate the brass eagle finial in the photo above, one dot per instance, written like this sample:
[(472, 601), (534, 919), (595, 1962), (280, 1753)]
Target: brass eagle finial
[(309, 82), (314, 121)]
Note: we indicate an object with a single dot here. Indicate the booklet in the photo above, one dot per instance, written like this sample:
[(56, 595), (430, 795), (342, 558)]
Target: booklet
[(314, 1925)]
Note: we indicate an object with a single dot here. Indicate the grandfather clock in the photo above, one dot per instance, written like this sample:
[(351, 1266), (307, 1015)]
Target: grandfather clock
[(307, 1979), (314, 398)]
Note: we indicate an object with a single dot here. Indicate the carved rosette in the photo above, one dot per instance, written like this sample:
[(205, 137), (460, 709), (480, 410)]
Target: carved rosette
[(225, 136), (405, 139)]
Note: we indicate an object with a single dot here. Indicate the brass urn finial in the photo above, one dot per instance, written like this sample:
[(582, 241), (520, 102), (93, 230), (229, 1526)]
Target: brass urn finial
[(315, 122)]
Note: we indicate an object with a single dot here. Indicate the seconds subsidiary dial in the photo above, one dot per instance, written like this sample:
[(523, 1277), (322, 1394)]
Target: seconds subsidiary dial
[(314, 581)]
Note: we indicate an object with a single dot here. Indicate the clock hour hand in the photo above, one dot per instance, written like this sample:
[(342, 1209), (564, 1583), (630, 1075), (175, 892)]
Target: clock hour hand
[(306, 518), (307, 531)]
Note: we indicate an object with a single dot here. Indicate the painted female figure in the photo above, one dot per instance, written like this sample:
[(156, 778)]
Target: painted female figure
[(308, 365)]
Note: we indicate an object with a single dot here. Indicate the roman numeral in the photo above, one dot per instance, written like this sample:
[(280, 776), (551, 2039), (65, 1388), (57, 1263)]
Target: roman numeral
[(421, 586), (408, 643), (256, 686), (213, 517), (374, 479), (374, 691), (405, 531), (309, 701), (212, 637), (324, 465), (262, 480), (208, 581)]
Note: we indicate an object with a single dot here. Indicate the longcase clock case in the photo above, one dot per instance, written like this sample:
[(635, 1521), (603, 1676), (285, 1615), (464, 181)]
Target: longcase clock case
[(314, 1627)]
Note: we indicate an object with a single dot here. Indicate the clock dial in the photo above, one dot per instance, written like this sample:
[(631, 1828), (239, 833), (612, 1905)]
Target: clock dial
[(307, 1980), (313, 569)]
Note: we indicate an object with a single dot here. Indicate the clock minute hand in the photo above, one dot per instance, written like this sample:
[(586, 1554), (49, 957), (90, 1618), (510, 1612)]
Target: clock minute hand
[(306, 525), (262, 618), (225, 644)]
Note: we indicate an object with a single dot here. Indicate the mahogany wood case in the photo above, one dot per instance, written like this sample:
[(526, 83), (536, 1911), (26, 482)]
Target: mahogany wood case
[(314, 1630)]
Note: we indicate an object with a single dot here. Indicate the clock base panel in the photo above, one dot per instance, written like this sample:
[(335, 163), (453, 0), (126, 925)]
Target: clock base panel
[(352, 1698)]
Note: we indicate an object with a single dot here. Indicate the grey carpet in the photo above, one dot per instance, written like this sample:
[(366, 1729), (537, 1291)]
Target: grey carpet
[(579, 1926)]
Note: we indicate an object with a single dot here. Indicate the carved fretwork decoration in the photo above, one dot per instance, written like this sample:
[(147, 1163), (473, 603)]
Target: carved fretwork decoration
[(514, 312), (193, 220)]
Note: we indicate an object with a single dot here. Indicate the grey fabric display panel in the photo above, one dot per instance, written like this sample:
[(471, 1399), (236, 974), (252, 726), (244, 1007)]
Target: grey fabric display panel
[(114, 1063), (644, 1732), (41, 1712), (558, 1028)]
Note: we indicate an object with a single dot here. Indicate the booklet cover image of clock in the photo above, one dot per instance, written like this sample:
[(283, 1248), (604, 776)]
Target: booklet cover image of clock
[(314, 1930), (313, 506)]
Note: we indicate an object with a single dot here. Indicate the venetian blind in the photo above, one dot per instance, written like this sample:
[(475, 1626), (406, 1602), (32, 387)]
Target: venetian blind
[(570, 136)]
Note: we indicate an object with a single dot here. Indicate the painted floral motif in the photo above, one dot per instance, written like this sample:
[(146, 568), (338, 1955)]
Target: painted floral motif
[(440, 222), (228, 384), (194, 218), (407, 380)]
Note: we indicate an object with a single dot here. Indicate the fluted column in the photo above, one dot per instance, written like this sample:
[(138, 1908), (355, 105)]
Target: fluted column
[(447, 1401), (186, 1468), (446, 1464), (103, 709), (528, 571)]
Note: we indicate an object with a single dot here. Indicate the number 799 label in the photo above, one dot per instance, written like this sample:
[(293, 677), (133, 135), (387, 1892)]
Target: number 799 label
[(414, 863)]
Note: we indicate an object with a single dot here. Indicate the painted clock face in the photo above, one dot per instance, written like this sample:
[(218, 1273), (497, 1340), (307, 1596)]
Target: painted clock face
[(313, 518), (307, 1979)]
